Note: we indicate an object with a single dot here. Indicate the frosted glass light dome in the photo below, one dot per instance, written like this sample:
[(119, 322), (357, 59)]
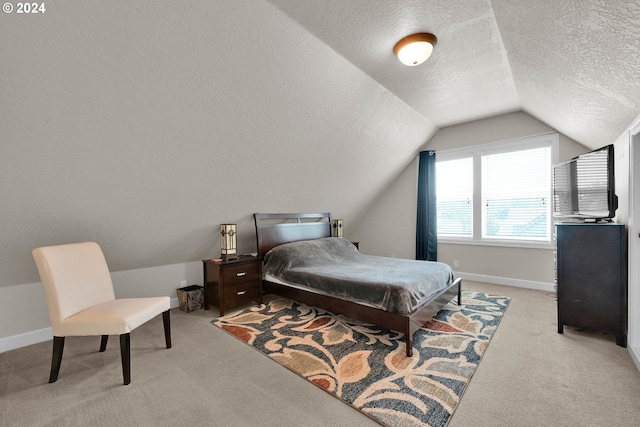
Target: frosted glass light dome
[(415, 49)]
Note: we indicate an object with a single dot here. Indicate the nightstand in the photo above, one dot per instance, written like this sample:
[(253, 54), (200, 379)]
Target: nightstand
[(230, 283)]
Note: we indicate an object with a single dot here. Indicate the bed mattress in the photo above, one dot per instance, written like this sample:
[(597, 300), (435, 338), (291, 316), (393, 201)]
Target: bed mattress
[(333, 266)]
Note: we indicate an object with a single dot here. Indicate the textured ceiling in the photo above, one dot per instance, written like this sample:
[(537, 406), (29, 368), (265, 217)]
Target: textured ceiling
[(572, 64)]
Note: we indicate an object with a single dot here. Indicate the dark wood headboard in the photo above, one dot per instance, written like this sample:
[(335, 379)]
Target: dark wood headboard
[(275, 229)]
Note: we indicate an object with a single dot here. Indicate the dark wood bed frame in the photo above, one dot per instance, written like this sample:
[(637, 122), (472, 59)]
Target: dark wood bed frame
[(275, 229)]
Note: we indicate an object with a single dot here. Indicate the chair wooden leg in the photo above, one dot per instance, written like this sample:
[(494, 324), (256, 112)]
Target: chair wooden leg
[(166, 320), (56, 359), (103, 343), (125, 355)]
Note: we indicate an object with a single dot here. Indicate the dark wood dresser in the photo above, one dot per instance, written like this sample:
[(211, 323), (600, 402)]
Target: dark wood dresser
[(592, 278), (231, 283)]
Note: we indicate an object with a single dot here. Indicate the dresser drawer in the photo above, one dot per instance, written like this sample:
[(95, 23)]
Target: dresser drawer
[(242, 293), (235, 274)]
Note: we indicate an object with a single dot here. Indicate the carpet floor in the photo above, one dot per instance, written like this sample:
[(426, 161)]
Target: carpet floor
[(529, 376), (365, 365)]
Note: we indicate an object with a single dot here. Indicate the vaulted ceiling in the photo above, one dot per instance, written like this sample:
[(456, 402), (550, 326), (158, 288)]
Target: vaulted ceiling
[(144, 125), (573, 64)]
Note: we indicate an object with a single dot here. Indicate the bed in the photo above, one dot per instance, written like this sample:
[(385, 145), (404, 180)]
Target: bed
[(288, 234)]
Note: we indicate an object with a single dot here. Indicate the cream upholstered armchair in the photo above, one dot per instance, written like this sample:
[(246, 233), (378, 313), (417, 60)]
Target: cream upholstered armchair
[(81, 301)]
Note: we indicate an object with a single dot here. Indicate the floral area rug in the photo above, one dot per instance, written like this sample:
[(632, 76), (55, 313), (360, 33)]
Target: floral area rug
[(366, 366)]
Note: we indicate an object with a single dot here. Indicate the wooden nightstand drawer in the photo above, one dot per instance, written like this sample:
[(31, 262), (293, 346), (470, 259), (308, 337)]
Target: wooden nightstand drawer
[(241, 273), (241, 294), (232, 282)]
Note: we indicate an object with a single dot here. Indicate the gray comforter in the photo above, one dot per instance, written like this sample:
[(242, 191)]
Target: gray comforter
[(333, 266)]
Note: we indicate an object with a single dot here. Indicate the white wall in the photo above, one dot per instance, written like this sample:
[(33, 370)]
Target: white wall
[(144, 125), (634, 245), (389, 227), (630, 215)]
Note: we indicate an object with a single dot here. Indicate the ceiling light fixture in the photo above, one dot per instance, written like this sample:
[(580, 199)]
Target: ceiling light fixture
[(415, 49)]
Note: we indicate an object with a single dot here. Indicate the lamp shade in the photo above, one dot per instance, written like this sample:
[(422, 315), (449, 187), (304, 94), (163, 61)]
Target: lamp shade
[(415, 49), (228, 239)]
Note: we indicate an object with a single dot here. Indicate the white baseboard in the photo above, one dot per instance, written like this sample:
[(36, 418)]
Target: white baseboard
[(518, 283), (40, 335), (25, 339), (635, 355)]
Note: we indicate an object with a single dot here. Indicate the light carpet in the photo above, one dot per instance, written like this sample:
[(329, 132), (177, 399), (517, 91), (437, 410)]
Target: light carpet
[(366, 366)]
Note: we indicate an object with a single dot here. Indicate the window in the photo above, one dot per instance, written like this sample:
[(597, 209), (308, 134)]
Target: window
[(497, 193), (454, 197)]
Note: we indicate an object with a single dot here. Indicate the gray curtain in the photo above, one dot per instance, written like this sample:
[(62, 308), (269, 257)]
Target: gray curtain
[(426, 227)]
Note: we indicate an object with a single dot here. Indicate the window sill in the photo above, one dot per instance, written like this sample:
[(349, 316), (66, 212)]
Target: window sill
[(498, 243)]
